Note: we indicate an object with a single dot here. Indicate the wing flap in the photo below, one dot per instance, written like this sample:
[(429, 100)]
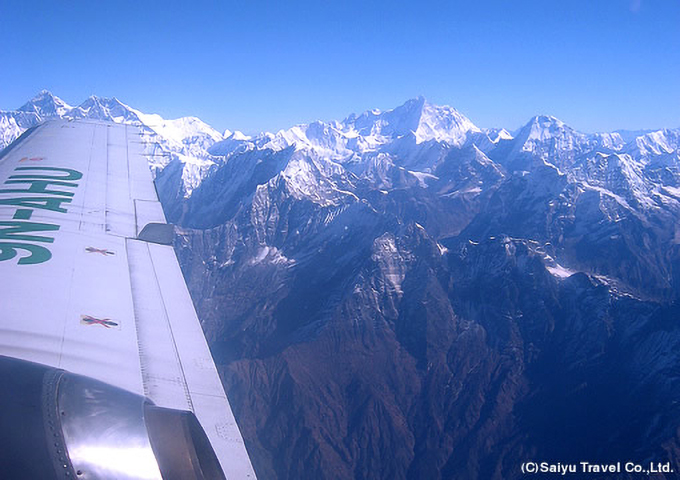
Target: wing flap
[(163, 376)]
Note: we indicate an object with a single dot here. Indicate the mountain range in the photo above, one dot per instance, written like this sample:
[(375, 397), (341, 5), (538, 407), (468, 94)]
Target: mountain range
[(402, 294)]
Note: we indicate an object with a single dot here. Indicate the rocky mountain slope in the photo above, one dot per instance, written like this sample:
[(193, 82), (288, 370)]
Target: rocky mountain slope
[(402, 294)]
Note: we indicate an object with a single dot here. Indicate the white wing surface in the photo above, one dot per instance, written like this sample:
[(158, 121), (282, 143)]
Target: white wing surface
[(90, 285)]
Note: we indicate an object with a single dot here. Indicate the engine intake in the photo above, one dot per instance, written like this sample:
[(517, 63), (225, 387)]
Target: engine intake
[(59, 425)]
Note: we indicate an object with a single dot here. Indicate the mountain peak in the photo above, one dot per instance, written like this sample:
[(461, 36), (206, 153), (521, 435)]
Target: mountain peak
[(43, 94), (546, 121), (45, 104), (443, 123), (411, 111), (545, 137), (417, 117), (104, 108), (538, 123), (97, 100), (416, 103), (544, 127)]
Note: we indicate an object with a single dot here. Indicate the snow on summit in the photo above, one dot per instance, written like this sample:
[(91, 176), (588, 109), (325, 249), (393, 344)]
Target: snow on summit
[(416, 121), (416, 136), (45, 104), (185, 140), (181, 131), (417, 117)]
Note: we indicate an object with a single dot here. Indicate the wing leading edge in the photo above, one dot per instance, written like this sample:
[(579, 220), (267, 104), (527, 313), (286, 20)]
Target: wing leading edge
[(89, 289)]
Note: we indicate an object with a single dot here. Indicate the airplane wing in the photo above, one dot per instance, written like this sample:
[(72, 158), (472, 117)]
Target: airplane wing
[(104, 370)]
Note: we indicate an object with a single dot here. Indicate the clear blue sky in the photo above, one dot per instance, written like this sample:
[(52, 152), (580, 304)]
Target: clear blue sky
[(254, 65)]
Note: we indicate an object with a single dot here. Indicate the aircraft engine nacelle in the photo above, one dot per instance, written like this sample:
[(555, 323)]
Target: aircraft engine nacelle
[(59, 425)]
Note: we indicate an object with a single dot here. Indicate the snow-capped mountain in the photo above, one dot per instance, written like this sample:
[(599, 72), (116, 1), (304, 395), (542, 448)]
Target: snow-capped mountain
[(402, 294), (415, 122), (409, 277), (45, 105), (411, 141), (185, 140), (460, 177)]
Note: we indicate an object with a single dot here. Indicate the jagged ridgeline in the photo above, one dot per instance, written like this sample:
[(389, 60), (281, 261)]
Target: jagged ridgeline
[(402, 294)]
